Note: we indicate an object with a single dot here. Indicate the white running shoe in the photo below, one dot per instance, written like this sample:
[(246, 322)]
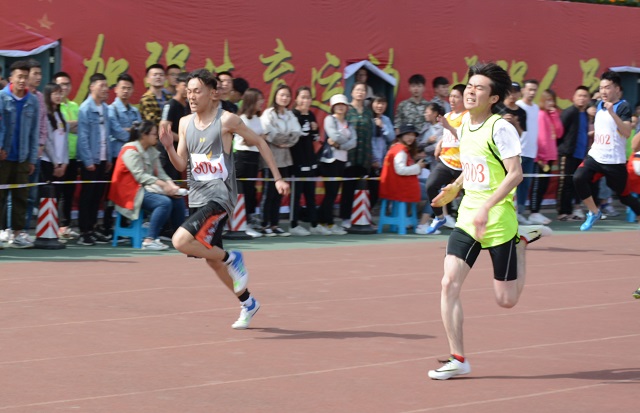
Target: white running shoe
[(238, 271), (268, 232), (252, 233), (21, 240), (577, 212), (450, 368), (450, 222), (154, 245), (531, 233), (246, 314), (299, 231), (346, 223), (319, 230), (337, 230), (523, 220), (68, 234), (537, 218)]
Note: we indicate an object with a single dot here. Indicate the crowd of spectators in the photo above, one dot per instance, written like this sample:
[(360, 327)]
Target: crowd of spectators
[(47, 137)]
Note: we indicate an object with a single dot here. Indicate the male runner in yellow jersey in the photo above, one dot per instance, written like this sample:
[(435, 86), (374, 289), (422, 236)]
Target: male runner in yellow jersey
[(490, 160)]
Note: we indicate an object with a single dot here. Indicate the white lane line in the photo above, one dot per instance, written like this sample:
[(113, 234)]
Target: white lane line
[(300, 374)]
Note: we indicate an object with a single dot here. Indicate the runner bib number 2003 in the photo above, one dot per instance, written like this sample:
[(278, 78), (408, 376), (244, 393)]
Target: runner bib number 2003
[(476, 173)]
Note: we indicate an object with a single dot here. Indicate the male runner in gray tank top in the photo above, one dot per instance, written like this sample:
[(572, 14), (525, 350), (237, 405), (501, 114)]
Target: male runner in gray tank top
[(204, 147)]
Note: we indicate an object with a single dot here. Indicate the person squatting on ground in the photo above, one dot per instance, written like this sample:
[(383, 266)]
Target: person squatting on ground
[(607, 156), (140, 183), (205, 141), (490, 157)]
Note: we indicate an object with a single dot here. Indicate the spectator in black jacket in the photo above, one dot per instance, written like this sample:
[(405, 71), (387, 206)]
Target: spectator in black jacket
[(572, 148)]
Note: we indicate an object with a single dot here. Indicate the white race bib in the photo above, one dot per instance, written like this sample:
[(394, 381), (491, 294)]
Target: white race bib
[(204, 169), (476, 173), (449, 140)]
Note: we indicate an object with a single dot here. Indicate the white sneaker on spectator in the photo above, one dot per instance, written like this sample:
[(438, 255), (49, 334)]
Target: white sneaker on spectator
[(319, 230), (337, 230), (346, 223), (268, 232), (577, 212), (252, 233), (154, 245), (280, 232), (5, 236), (299, 231), (450, 222), (21, 240), (537, 218), (523, 220), (68, 234)]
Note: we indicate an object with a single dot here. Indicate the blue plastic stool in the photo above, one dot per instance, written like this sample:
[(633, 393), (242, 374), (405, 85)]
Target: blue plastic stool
[(135, 231), (398, 220), (631, 216)]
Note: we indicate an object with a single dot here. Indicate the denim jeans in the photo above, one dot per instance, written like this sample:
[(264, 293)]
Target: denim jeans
[(161, 208), (522, 193)]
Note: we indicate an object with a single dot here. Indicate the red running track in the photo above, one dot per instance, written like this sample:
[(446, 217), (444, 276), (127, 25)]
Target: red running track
[(342, 329)]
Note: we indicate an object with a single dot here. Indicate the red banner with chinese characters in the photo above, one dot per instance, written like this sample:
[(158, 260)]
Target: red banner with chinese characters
[(309, 43)]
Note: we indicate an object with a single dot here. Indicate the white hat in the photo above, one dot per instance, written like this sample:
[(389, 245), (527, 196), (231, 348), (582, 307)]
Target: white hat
[(335, 99)]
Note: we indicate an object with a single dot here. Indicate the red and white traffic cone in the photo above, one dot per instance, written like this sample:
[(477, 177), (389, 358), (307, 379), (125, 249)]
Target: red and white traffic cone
[(47, 227), (361, 211), (237, 223)]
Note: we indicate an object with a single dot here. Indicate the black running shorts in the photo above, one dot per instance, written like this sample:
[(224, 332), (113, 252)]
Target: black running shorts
[(207, 223), (503, 256)]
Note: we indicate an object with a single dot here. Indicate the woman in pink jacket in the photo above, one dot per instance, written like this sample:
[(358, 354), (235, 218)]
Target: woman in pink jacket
[(550, 129)]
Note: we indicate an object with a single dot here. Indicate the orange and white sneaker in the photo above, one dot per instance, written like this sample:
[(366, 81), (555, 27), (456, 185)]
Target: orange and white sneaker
[(450, 368)]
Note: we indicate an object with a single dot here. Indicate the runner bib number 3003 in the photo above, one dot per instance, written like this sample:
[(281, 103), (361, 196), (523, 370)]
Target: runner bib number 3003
[(205, 169), (476, 173)]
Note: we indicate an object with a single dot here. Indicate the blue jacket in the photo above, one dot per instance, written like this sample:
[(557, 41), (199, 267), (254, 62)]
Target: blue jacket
[(89, 132), (124, 119), (379, 144), (29, 125)]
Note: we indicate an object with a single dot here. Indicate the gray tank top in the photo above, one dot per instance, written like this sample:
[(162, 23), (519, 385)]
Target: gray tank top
[(211, 171)]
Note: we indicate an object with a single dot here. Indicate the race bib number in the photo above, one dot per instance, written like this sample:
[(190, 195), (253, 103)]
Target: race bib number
[(449, 140), (204, 169), (602, 139), (476, 173)]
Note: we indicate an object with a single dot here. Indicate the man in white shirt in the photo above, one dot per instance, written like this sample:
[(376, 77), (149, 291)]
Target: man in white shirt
[(529, 143), (607, 156)]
